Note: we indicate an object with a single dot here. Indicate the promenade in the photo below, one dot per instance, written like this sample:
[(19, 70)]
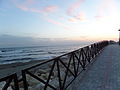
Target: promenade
[(94, 67), (103, 74)]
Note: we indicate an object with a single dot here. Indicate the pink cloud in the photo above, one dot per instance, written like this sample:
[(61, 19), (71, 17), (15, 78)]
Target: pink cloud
[(74, 6), (51, 8), (58, 23), (54, 22), (71, 12), (72, 19), (27, 6), (22, 7), (79, 17), (30, 1)]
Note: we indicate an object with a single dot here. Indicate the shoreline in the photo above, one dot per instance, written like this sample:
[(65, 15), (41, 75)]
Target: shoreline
[(4, 66), (7, 69)]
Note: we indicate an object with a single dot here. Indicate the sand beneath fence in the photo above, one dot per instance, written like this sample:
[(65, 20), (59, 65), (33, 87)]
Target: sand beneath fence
[(7, 69)]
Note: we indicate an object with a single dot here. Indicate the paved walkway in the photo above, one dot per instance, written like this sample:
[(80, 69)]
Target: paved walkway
[(103, 74)]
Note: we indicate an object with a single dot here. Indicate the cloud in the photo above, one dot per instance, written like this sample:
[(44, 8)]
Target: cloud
[(29, 5), (30, 1), (79, 17), (17, 41), (58, 23), (50, 8), (54, 22), (72, 20), (75, 17), (74, 6), (22, 7), (20, 41), (47, 9)]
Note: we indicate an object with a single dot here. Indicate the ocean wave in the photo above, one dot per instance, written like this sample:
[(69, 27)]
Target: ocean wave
[(23, 54), (31, 54), (6, 50), (19, 59), (39, 51), (56, 52), (51, 52), (1, 56), (31, 51)]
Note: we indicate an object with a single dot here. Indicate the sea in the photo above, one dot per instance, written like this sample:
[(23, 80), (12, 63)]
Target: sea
[(26, 54)]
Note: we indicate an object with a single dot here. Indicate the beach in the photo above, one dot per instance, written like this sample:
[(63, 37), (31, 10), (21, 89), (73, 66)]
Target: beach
[(41, 71), (8, 69)]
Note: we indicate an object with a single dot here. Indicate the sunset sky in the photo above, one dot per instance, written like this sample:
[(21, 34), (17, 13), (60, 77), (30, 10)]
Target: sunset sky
[(63, 19)]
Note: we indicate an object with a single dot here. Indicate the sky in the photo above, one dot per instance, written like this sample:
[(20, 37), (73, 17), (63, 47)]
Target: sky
[(77, 20)]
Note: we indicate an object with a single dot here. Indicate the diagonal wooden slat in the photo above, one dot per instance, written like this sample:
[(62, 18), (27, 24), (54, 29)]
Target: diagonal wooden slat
[(50, 74), (59, 75), (67, 69), (7, 83), (34, 76)]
